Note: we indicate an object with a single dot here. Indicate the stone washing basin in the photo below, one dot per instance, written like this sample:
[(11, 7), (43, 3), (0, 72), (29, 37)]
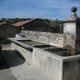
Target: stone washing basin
[(58, 51), (33, 43), (49, 48)]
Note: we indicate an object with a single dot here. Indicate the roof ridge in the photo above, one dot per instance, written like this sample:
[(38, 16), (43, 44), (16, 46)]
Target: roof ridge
[(22, 22)]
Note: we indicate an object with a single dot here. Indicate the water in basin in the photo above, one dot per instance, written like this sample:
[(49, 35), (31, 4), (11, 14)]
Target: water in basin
[(59, 51), (32, 43)]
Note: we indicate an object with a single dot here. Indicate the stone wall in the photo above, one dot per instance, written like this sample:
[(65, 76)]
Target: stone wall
[(47, 63), (45, 37)]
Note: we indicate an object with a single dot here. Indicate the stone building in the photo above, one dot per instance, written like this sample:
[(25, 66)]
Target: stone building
[(7, 30), (35, 25)]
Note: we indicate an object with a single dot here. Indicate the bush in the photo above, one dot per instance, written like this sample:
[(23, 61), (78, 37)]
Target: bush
[(5, 41)]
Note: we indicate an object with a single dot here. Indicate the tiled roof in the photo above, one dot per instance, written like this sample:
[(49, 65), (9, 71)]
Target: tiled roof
[(21, 23)]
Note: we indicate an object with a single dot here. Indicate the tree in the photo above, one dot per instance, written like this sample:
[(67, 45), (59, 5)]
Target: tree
[(3, 20), (47, 21)]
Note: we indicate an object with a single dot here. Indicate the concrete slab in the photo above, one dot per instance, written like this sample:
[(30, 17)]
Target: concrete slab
[(22, 70), (36, 76), (6, 47), (5, 73)]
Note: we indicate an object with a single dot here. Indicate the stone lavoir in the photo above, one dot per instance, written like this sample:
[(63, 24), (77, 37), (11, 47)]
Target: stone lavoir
[(56, 61)]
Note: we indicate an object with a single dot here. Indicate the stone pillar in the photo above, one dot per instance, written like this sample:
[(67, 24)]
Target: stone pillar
[(71, 33)]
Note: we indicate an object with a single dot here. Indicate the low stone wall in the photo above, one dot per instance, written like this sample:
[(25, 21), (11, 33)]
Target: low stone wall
[(47, 63), (71, 68), (56, 67), (45, 37)]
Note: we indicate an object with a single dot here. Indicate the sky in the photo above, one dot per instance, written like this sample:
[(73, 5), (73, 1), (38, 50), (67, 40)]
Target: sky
[(50, 9)]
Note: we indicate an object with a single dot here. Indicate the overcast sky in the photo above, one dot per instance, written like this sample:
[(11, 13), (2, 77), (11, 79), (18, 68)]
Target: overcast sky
[(50, 9)]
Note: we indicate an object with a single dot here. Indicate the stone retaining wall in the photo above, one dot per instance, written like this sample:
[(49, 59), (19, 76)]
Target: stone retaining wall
[(45, 37)]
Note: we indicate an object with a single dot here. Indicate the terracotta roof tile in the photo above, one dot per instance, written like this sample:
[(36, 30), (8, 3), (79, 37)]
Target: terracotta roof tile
[(21, 23)]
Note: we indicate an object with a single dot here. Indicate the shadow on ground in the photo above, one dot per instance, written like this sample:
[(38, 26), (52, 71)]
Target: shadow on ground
[(3, 64), (13, 58)]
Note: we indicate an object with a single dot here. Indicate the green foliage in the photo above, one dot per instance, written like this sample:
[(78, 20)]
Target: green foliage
[(3, 20), (47, 21), (57, 24), (5, 41), (13, 20)]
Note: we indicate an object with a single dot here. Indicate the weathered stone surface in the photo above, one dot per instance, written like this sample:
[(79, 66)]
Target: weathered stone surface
[(45, 37), (71, 33)]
